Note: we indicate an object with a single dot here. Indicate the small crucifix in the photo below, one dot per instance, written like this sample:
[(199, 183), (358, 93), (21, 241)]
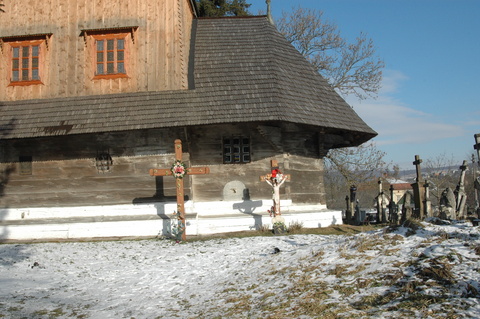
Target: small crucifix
[(275, 179), (178, 170)]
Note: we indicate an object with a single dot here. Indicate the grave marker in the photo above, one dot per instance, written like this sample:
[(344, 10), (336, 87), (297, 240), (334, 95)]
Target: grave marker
[(276, 179), (418, 190), (178, 171)]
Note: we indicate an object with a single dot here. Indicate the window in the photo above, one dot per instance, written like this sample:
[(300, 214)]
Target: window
[(25, 62), (236, 150), (110, 55), (103, 162), (26, 55), (25, 165), (109, 50)]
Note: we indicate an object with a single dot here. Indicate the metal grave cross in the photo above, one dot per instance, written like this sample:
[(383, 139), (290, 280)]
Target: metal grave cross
[(275, 179), (178, 170)]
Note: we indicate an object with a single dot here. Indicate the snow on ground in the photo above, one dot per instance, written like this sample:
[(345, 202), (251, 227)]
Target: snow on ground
[(431, 272)]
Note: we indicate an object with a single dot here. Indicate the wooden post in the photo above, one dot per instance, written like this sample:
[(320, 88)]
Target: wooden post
[(178, 170)]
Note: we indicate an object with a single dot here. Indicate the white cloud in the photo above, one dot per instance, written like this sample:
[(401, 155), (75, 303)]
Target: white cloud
[(397, 123), (391, 81)]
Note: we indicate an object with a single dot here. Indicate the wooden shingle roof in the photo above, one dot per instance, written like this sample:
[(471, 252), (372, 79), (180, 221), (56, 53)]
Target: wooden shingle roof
[(244, 71)]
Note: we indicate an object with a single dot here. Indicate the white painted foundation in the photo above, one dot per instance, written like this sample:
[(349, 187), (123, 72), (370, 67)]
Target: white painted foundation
[(150, 220)]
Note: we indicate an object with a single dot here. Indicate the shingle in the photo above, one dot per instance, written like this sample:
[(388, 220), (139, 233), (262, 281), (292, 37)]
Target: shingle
[(244, 71)]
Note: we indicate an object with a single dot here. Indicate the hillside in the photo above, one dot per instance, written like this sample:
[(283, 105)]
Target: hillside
[(421, 271)]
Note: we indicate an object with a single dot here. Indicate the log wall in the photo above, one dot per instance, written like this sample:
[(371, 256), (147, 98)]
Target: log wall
[(64, 169), (298, 155)]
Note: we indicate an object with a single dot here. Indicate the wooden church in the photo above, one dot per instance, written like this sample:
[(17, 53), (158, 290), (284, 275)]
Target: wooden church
[(93, 95)]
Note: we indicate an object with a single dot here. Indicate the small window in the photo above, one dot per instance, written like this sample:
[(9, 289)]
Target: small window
[(25, 163), (236, 150), (26, 60), (104, 162), (110, 55)]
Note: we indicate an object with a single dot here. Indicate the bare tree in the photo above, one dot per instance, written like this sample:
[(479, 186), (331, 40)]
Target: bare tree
[(351, 68), (359, 166)]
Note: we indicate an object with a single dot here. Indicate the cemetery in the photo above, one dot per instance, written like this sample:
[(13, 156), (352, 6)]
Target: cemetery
[(404, 201)]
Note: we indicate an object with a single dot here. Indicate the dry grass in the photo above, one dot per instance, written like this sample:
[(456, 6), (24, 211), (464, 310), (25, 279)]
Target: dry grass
[(476, 249), (297, 229), (438, 271)]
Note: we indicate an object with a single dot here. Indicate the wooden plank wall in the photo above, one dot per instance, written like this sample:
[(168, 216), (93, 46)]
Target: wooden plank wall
[(299, 158), (64, 172), (157, 54)]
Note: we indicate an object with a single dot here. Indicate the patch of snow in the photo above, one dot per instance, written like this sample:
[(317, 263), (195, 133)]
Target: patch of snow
[(248, 277)]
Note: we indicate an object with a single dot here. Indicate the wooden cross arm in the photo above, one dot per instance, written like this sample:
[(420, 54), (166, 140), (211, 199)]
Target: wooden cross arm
[(263, 178), (160, 172), (168, 171), (198, 170)]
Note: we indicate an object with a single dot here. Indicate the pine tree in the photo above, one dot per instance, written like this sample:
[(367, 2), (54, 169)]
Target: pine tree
[(221, 8)]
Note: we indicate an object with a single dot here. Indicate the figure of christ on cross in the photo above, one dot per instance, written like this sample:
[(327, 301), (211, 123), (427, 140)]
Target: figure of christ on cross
[(275, 179), (178, 170)]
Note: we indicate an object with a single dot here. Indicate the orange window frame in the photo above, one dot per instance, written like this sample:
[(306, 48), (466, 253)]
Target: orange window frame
[(26, 60), (110, 55)]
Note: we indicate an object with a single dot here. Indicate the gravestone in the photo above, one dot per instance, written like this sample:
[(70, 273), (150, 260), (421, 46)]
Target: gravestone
[(447, 204), (460, 195), (392, 208), (382, 203), (477, 180), (407, 209), (418, 190), (427, 204)]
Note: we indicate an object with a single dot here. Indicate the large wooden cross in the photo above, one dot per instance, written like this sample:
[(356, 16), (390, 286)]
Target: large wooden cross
[(178, 170)]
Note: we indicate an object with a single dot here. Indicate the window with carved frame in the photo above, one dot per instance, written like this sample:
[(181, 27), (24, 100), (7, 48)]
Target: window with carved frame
[(110, 55), (26, 56)]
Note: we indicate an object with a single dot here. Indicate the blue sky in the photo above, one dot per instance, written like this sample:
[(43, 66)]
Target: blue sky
[(429, 103)]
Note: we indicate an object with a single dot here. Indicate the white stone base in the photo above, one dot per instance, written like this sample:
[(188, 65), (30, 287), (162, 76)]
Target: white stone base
[(150, 220)]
